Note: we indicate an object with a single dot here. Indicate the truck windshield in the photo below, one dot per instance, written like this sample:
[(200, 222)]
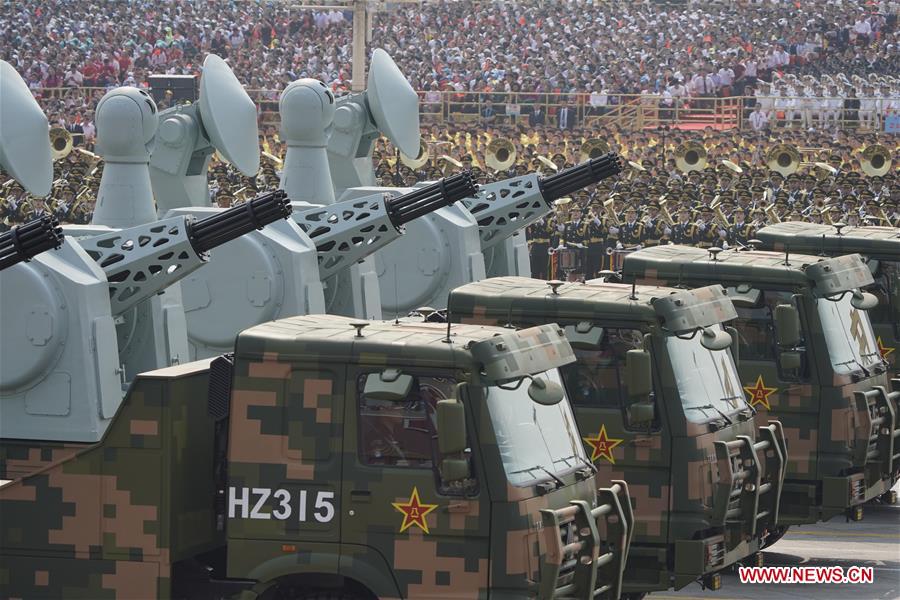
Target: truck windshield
[(707, 380), (848, 335), (536, 442)]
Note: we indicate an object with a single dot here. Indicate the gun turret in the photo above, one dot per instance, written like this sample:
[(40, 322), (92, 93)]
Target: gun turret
[(349, 231), (24, 242), (141, 261), (503, 207)]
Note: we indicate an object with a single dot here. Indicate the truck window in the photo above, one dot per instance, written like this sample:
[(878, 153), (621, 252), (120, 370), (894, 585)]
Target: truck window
[(402, 433), (597, 378), (756, 326)]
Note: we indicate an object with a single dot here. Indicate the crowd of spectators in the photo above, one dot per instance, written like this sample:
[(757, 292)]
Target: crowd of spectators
[(597, 49)]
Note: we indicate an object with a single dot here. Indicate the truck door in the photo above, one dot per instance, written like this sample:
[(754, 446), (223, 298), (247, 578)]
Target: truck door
[(398, 516), (597, 387)]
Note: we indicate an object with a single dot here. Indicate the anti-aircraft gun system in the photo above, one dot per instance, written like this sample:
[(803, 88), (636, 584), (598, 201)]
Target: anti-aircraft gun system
[(250, 283), (223, 119), (449, 247), (439, 256), (60, 370), (24, 242)]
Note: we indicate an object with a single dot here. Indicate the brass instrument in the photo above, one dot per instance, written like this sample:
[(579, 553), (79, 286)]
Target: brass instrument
[(783, 158), (690, 156), (720, 217), (875, 160), (60, 142), (549, 163), (593, 148), (500, 154), (732, 166), (611, 212), (419, 160), (277, 162), (664, 212)]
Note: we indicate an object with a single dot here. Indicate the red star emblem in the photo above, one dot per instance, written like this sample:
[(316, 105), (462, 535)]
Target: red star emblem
[(884, 350), (414, 512), (759, 393), (601, 445)]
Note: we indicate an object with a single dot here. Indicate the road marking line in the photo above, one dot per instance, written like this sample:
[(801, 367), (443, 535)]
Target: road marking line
[(895, 536)]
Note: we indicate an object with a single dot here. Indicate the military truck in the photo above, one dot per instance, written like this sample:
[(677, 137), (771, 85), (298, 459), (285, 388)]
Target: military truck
[(330, 458), (879, 247), (658, 402), (807, 356)]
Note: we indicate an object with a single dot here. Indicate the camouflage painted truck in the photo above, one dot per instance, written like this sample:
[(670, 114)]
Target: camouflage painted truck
[(808, 357), (659, 403), (330, 458), (879, 247)]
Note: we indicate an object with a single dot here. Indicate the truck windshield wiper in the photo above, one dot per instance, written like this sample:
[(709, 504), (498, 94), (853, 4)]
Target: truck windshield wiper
[(580, 458), (559, 482), (858, 364), (705, 406), (736, 399)]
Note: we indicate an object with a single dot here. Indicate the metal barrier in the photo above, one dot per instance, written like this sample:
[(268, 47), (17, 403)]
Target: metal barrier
[(626, 111)]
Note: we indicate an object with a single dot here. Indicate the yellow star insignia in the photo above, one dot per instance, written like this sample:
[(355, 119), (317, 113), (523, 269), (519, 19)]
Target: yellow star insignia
[(759, 393), (414, 512), (884, 350), (602, 445)]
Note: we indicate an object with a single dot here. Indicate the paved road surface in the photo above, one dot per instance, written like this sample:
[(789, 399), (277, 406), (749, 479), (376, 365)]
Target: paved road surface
[(875, 541)]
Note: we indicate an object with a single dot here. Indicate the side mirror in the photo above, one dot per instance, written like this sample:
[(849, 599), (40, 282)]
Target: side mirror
[(545, 392), (790, 361), (451, 426), (641, 412), (787, 325), (638, 373), (864, 300), (715, 339), (389, 385)]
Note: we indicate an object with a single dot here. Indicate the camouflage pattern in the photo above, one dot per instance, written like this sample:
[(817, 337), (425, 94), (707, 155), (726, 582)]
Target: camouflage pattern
[(834, 422), (121, 518), (112, 519), (880, 246), (678, 483)]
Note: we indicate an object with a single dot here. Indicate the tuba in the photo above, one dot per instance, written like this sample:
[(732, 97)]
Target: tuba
[(783, 158), (60, 142), (500, 154), (875, 160), (690, 156), (419, 161), (593, 148)]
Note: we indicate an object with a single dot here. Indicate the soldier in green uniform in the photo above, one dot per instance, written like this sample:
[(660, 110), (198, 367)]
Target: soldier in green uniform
[(655, 227), (684, 231), (597, 232), (539, 234), (707, 229), (631, 232), (739, 231)]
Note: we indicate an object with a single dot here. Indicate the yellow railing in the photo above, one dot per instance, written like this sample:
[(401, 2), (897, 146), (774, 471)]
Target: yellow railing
[(625, 111)]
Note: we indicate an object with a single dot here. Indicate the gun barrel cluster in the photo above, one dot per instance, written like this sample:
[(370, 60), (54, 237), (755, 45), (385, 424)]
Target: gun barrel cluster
[(429, 198), (218, 229), (26, 241), (580, 176)]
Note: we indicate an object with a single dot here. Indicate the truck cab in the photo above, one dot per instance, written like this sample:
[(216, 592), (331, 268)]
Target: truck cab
[(658, 401), (325, 458), (808, 357), (878, 246)]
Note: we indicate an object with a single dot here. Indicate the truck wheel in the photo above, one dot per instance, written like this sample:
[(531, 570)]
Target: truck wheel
[(776, 535)]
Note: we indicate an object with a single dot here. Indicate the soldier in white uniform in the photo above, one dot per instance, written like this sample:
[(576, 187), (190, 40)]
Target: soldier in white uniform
[(834, 103), (868, 108)]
